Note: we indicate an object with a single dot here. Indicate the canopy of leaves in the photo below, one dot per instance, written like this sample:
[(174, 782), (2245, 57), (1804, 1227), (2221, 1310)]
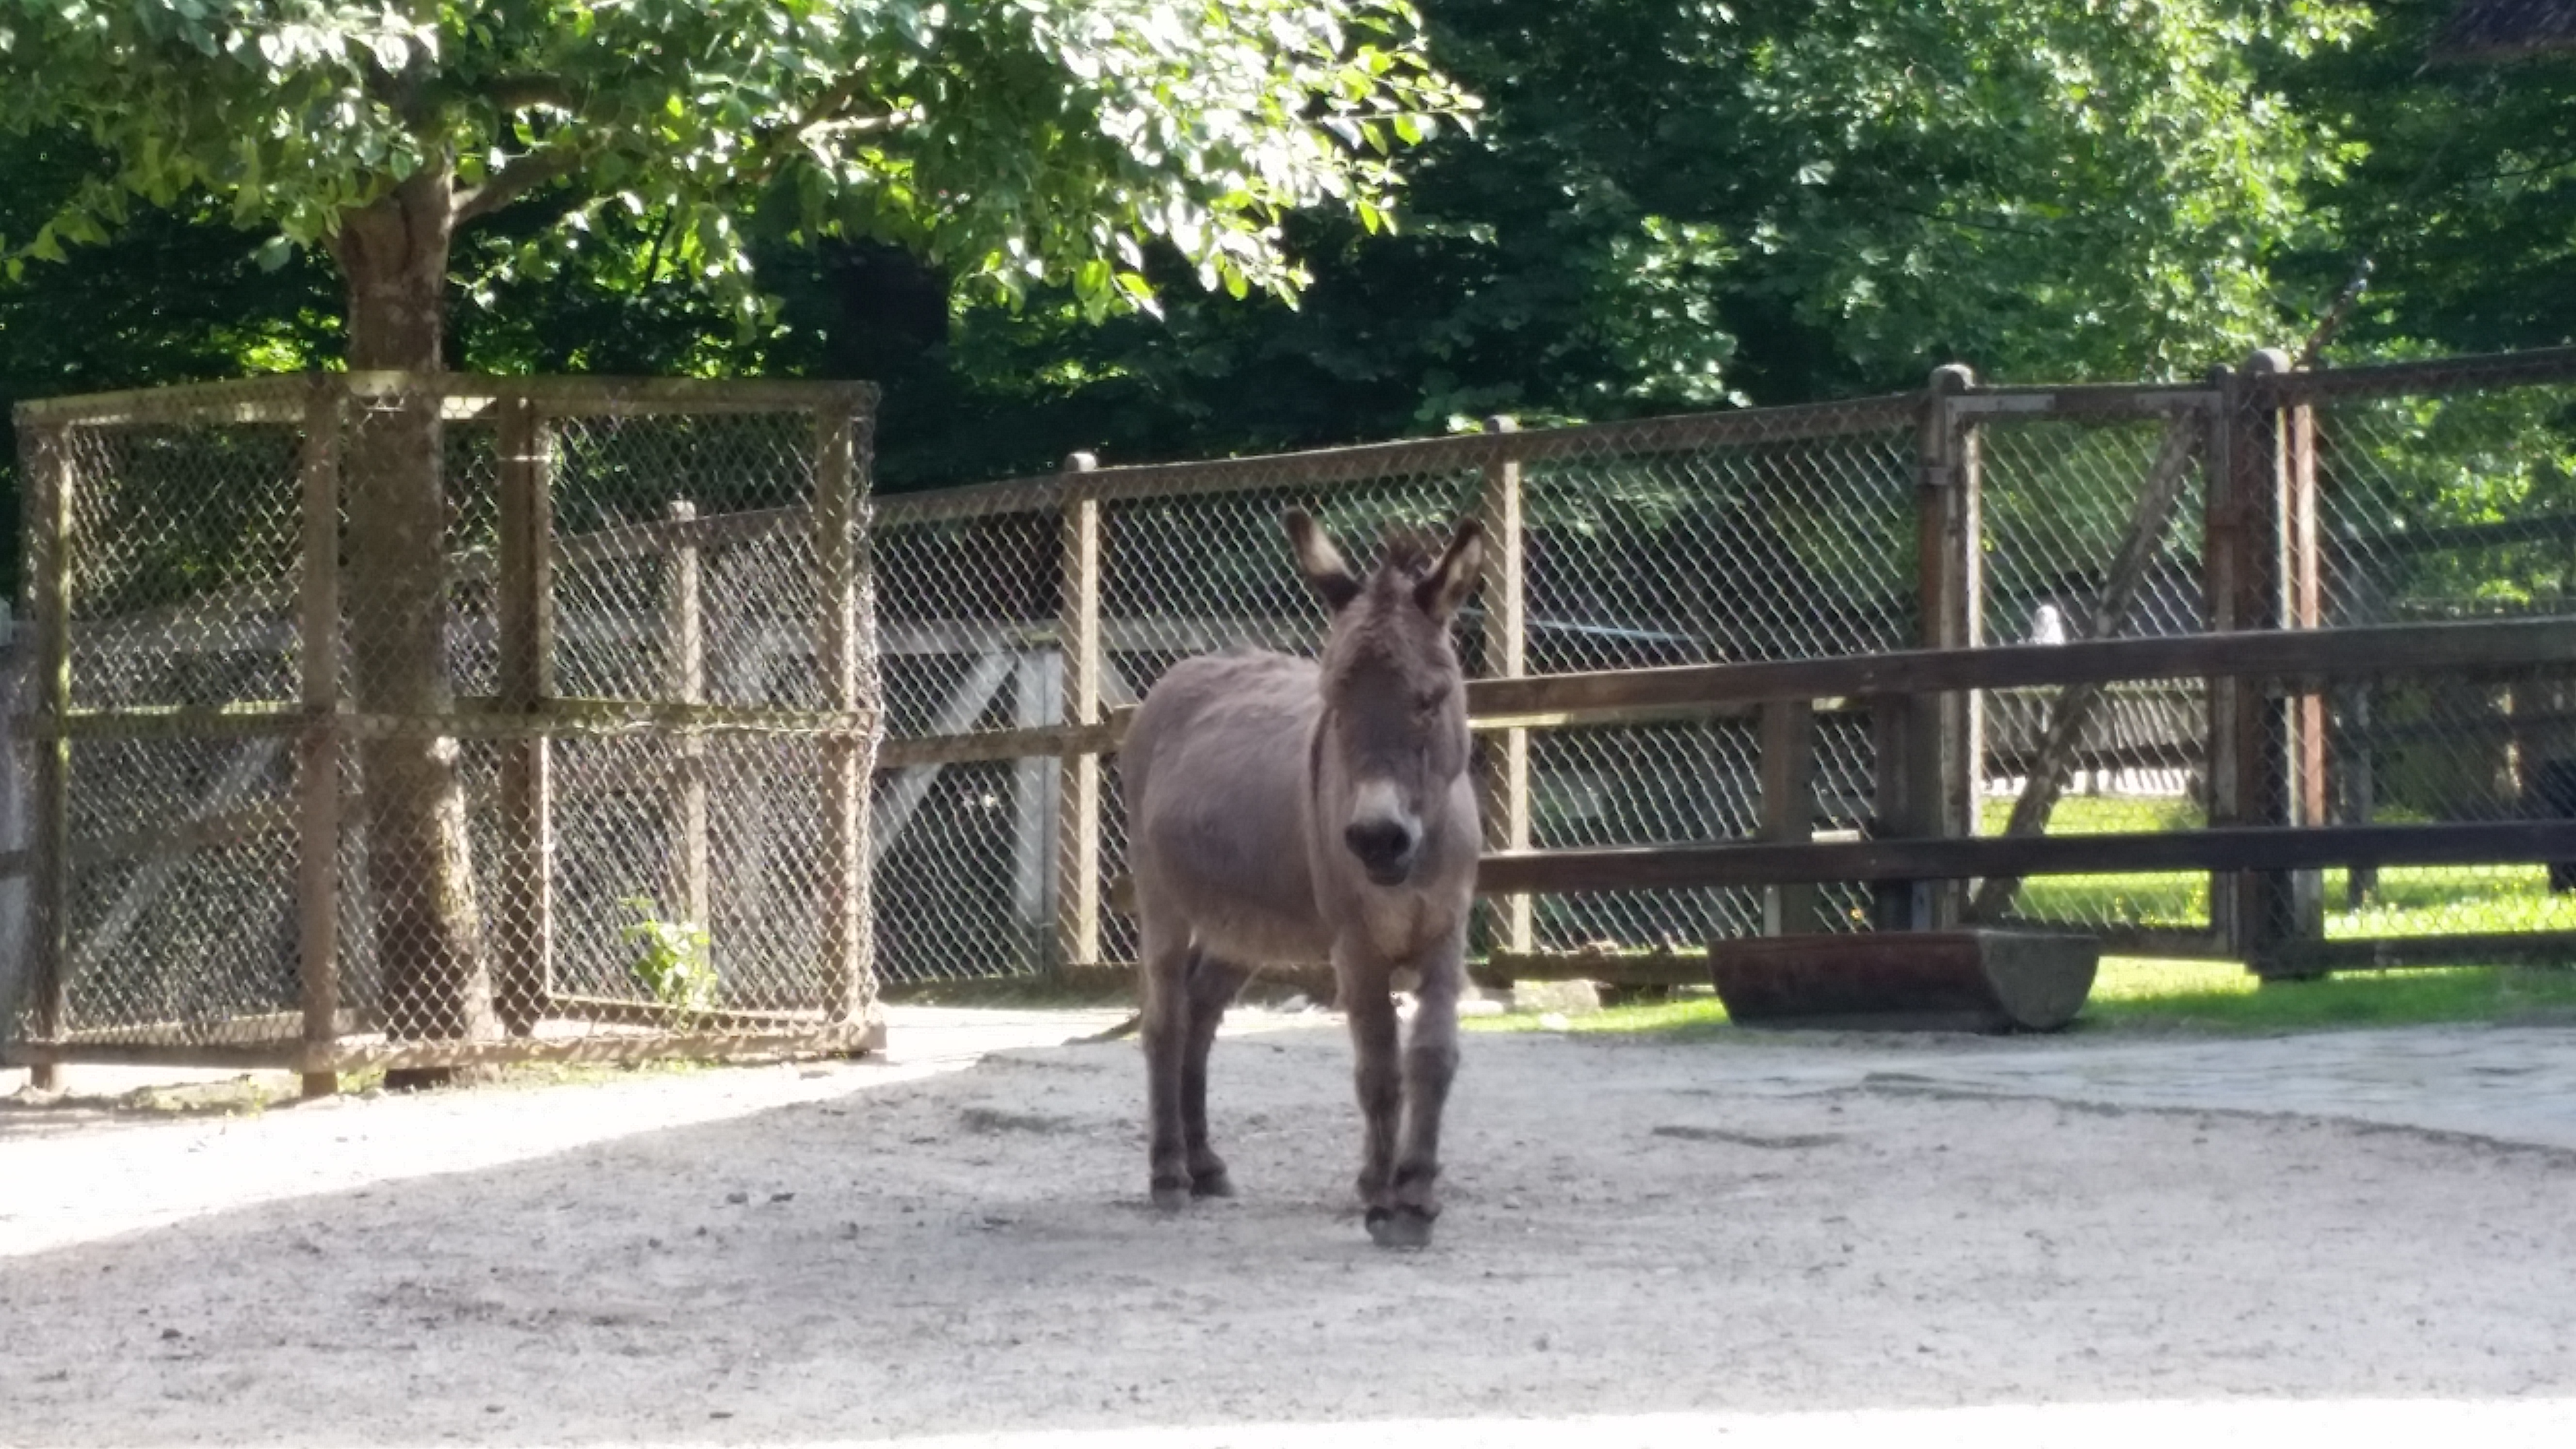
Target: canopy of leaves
[(1011, 142), (1769, 200)]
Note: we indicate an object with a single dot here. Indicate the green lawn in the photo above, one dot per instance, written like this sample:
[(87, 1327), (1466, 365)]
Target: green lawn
[(2137, 995), (2409, 900)]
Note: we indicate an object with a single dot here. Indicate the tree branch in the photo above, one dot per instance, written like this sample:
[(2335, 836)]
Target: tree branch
[(515, 180), (518, 92)]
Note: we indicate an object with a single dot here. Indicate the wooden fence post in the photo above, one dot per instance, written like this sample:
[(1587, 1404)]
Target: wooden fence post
[(1078, 789), (1789, 808), (684, 630), (49, 824), (1935, 736), (2261, 561), (1506, 803), (317, 893), (849, 974), (524, 604), (2303, 578)]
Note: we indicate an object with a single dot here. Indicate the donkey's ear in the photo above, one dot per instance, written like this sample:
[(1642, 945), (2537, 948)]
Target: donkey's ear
[(1320, 562), (1454, 577)]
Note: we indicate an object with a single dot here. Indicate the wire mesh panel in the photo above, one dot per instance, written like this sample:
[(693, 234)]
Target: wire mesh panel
[(2441, 491), (559, 750), (2092, 529), (1677, 541), (1766, 543)]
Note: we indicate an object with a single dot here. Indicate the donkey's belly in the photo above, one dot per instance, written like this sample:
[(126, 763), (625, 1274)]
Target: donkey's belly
[(1215, 772)]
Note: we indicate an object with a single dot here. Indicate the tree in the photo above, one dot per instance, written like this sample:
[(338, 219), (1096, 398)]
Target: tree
[(1676, 206), (2460, 194), (1022, 143)]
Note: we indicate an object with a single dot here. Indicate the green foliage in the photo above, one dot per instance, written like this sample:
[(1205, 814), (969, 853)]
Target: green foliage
[(671, 957), (1014, 143), (2458, 183)]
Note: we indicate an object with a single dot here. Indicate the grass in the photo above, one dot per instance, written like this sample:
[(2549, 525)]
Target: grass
[(2137, 996), (2408, 901)]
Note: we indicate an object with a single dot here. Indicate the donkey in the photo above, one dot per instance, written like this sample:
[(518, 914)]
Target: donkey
[(1282, 811)]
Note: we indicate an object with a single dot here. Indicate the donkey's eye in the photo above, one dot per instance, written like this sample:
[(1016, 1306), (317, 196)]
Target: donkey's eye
[(1428, 701)]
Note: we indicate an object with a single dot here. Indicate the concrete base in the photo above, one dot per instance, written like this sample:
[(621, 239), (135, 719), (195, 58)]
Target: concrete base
[(1974, 980)]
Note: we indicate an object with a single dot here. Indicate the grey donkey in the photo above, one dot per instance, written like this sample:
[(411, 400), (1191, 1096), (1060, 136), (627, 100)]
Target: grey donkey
[(1287, 811)]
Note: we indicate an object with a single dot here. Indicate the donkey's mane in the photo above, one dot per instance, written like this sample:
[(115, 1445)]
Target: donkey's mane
[(1409, 552)]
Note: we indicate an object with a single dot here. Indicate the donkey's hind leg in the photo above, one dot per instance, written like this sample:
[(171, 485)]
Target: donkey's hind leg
[(1165, 955), (1213, 985)]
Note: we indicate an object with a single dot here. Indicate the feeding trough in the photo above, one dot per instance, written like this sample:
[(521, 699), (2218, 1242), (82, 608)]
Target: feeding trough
[(1969, 980)]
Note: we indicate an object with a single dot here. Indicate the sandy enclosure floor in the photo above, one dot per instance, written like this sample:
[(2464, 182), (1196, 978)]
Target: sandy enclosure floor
[(1860, 1240)]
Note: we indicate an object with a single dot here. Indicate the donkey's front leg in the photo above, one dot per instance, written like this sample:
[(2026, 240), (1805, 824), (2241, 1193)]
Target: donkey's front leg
[(1430, 1064), (1380, 1078)]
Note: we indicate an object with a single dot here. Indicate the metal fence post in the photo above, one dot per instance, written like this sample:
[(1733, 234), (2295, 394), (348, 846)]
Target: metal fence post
[(1078, 789), (1505, 597), (317, 894)]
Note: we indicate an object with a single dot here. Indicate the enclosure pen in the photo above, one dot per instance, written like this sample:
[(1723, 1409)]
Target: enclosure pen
[(638, 709), (2260, 502)]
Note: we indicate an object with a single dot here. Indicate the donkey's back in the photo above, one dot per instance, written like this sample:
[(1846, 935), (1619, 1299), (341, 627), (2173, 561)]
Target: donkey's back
[(1213, 771)]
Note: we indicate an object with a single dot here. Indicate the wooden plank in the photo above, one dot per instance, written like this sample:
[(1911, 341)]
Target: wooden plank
[(1940, 739), (626, 1011), (2236, 848), (2303, 584), (1037, 826), (849, 978), (317, 771), (2089, 401), (2395, 952), (685, 639), (1084, 664), (837, 1038), (2261, 902), (1788, 809), (2072, 710), (2308, 655), (525, 618), (1504, 596), (43, 1058), (2402, 379), (1012, 744), (1469, 453)]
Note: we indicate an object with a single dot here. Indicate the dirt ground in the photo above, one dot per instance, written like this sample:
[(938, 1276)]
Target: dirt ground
[(1809, 1241)]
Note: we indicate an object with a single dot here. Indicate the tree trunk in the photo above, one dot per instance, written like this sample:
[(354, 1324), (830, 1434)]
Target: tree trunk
[(436, 983)]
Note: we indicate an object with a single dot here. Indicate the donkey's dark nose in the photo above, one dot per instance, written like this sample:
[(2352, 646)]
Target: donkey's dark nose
[(1385, 848)]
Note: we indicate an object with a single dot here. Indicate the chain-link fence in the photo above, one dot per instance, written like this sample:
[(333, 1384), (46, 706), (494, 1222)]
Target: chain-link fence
[(2093, 505), (560, 752), (2435, 490), (1043, 604), (1019, 616)]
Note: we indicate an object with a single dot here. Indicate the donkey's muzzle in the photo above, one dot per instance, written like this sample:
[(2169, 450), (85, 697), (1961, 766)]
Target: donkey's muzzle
[(1385, 848)]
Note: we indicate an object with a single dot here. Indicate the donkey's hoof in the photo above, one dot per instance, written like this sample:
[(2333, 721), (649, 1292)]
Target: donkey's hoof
[(1214, 1184), (1171, 1197), (1399, 1227)]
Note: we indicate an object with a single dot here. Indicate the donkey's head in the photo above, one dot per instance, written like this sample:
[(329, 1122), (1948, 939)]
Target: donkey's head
[(1393, 740)]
